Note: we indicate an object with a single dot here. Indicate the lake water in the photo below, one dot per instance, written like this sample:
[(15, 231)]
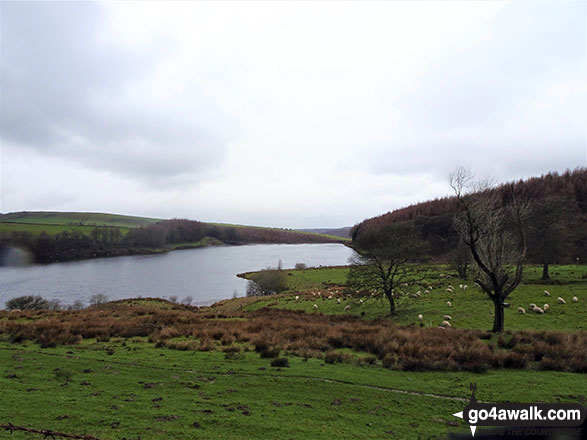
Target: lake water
[(207, 274)]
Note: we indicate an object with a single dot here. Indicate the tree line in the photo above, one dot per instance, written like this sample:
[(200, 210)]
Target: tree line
[(556, 227), (109, 241)]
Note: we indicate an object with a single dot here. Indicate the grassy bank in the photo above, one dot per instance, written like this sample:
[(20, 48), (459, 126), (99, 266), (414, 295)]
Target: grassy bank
[(278, 368)]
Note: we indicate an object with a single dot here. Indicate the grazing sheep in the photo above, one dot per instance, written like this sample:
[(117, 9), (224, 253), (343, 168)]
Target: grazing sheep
[(538, 310), (315, 306), (547, 293), (448, 303), (465, 287), (338, 300), (361, 301), (460, 286), (447, 317), (560, 300), (532, 305), (15, 310), (426, 291), (330, 297), (575, 299), (347, 307), (297, 297), (445, 324), (521, 310), (545, 307), (420, 317)]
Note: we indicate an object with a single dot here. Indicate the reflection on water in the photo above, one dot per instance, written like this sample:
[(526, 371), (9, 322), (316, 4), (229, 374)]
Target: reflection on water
[(206, 274)]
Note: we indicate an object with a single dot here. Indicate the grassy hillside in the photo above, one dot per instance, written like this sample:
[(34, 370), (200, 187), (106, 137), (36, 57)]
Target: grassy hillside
[(247, 367), (76, 219)]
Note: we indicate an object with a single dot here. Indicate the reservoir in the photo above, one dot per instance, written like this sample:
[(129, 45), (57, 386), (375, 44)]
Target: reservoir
[(206, 274)]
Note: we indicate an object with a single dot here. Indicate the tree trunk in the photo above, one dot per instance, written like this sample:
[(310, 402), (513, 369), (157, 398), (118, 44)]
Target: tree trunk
[(498, 318), (391, 304), (545, 275)]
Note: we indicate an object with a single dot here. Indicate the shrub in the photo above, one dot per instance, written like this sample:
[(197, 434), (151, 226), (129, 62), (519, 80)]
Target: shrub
[(98, 299), (28, 302), (270, 352), (280, 362), (267, 282), (300, 266)]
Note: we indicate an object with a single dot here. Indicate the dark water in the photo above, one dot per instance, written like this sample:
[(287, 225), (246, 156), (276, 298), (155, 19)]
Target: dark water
[(206, 274)]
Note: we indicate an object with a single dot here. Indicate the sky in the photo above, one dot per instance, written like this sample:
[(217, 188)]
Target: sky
[(286, 114)]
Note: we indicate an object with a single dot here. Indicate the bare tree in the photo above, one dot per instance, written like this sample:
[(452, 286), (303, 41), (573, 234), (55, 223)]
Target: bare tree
[(493, 229), (382, 260)]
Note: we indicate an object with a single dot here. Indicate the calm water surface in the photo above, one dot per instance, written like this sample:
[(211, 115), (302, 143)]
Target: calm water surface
[(206, 274)]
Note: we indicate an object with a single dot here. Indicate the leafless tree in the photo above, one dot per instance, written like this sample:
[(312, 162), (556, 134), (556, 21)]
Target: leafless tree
[(492, 225), (382, 260)]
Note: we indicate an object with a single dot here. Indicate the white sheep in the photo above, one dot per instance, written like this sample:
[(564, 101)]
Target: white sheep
[(447, 317), (532, 305), (547, 293), (538, 310), (338, 300), (560, 300), (445, 324), (420, 317), (521, 310), (460, 286), (575, 299), (545, 307), (315, 306), (361, 301), (448, 303), (347, 307), (465, 287), (297, 297)]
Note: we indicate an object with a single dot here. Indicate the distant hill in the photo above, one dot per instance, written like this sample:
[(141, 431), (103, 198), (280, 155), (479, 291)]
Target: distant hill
[(64, 236), (76, 219), (337, 232)]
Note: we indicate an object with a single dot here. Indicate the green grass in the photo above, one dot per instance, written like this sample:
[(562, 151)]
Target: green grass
[(470, 308), (129, 388), (51, 229), (139, 390), (77, 219)]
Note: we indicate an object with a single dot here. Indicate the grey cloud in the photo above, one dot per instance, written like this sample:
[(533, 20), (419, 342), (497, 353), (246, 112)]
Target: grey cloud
[(63, 89)]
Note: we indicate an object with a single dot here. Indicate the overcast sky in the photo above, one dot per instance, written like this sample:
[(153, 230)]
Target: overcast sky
[(289, 114)]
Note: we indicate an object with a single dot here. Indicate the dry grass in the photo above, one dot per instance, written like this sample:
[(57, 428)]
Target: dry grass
[(271, 331)]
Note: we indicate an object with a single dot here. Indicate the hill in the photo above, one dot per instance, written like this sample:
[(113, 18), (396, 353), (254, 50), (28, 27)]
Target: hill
[(344, 232), (76, 219), (53, 236), (434, 218)]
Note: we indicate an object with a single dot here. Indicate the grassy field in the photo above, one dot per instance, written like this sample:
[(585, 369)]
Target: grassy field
[(470, 308), (54, 223), (77, 219), (199, 373)]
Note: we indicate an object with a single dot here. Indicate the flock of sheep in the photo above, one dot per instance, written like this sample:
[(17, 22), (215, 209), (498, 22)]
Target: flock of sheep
[(330, 294), (541, 310)]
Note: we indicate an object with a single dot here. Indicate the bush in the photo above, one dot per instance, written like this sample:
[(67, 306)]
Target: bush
[(280, 362), (98, 299), (267, 282), (29, 302), (300, 266)]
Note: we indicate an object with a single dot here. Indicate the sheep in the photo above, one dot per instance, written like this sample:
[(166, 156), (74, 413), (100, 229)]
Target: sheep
[(521, 310), (465, 287), (338, 300), (546, 293), (426, 291), (532, 305), (297, 297), (315, 306), (445, 324), (460, 286), (448, 303), (15, 310), (330, 297), (347, 307), (420, 317), (560, 300), (538, 310), (545, 307), (447, 317), (361, 301), (575, 299)]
